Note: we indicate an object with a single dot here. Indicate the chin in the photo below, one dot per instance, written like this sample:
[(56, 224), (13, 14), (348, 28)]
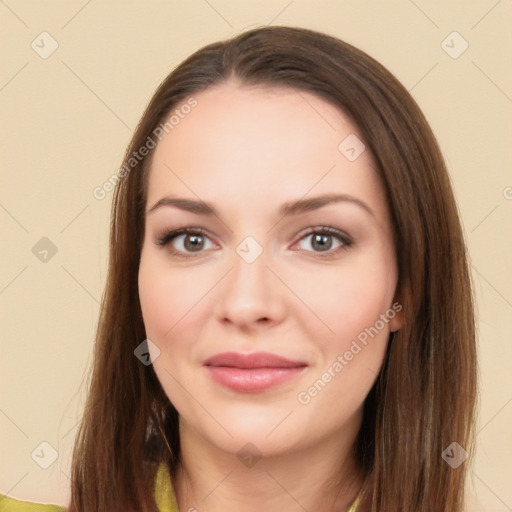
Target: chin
[(251, 442)]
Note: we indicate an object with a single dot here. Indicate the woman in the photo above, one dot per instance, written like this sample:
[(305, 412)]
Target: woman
[(288, 318)]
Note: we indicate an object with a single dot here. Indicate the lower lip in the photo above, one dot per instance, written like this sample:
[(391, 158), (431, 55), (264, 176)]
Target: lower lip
[(252, 380)]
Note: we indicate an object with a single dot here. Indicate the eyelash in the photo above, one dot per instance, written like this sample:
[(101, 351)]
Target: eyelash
[(345, 240)]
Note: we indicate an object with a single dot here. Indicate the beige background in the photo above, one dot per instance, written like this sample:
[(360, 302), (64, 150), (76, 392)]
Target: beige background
[(68, 118)]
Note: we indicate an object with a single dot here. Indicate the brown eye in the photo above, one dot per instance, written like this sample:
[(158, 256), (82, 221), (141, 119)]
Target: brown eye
[(184, 241), (323, 239), (193, 242)]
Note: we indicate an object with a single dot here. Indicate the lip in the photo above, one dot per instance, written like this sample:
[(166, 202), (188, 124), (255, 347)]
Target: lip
[(252, 373)]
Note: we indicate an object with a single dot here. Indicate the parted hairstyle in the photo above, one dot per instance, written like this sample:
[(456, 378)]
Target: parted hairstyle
[(425, 395)]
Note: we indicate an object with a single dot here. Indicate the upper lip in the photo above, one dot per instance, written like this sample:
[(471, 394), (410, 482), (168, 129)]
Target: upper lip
[(254, 360)]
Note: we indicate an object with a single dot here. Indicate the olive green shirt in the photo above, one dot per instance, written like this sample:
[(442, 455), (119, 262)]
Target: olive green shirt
[(164, 496)]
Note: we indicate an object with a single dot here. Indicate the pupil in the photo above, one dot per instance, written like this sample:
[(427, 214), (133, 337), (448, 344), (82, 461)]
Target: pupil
[(195, 244), (319, 241), (323, 244)]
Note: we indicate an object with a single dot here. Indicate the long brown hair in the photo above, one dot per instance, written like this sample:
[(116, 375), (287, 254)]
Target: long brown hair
[(425, 395)]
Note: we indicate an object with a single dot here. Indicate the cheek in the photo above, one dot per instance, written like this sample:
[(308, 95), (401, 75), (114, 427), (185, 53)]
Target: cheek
[(155, 302), (345, 300), (176, 305), (351, 350), (165, 295)]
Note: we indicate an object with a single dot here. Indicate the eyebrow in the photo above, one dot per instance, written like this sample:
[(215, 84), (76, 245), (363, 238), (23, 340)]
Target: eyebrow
[(289, 208)]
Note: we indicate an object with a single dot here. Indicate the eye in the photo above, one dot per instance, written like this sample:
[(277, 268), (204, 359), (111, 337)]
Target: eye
[(192, 241), (321, 238)]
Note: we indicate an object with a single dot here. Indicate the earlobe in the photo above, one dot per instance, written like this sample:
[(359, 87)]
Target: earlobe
[(397, 321)]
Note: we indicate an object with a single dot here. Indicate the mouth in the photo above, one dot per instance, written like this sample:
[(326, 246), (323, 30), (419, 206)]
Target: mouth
[(252, 373)]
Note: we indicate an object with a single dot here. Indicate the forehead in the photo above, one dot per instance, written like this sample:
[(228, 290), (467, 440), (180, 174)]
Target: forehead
[(254, 144)]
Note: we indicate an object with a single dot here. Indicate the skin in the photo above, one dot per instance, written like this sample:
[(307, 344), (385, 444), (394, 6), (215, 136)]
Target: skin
[(247, 150)]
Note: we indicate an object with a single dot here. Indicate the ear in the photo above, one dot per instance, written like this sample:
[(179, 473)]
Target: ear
[(397, 322)]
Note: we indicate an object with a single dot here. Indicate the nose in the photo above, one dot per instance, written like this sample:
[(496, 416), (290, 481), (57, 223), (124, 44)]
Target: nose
[(250, 295)]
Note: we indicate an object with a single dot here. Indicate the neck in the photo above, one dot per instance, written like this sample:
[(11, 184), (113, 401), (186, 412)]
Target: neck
[(323, 477)]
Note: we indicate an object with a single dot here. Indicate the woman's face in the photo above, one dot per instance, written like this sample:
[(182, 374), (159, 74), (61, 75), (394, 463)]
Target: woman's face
[(261, 279)]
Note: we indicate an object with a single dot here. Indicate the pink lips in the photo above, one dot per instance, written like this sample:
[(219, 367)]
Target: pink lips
[(251, 373)]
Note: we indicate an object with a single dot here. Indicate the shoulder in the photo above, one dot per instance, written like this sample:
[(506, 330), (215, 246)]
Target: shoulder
[(355, 505), (164, 496), (8, 504), (164, 493)]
